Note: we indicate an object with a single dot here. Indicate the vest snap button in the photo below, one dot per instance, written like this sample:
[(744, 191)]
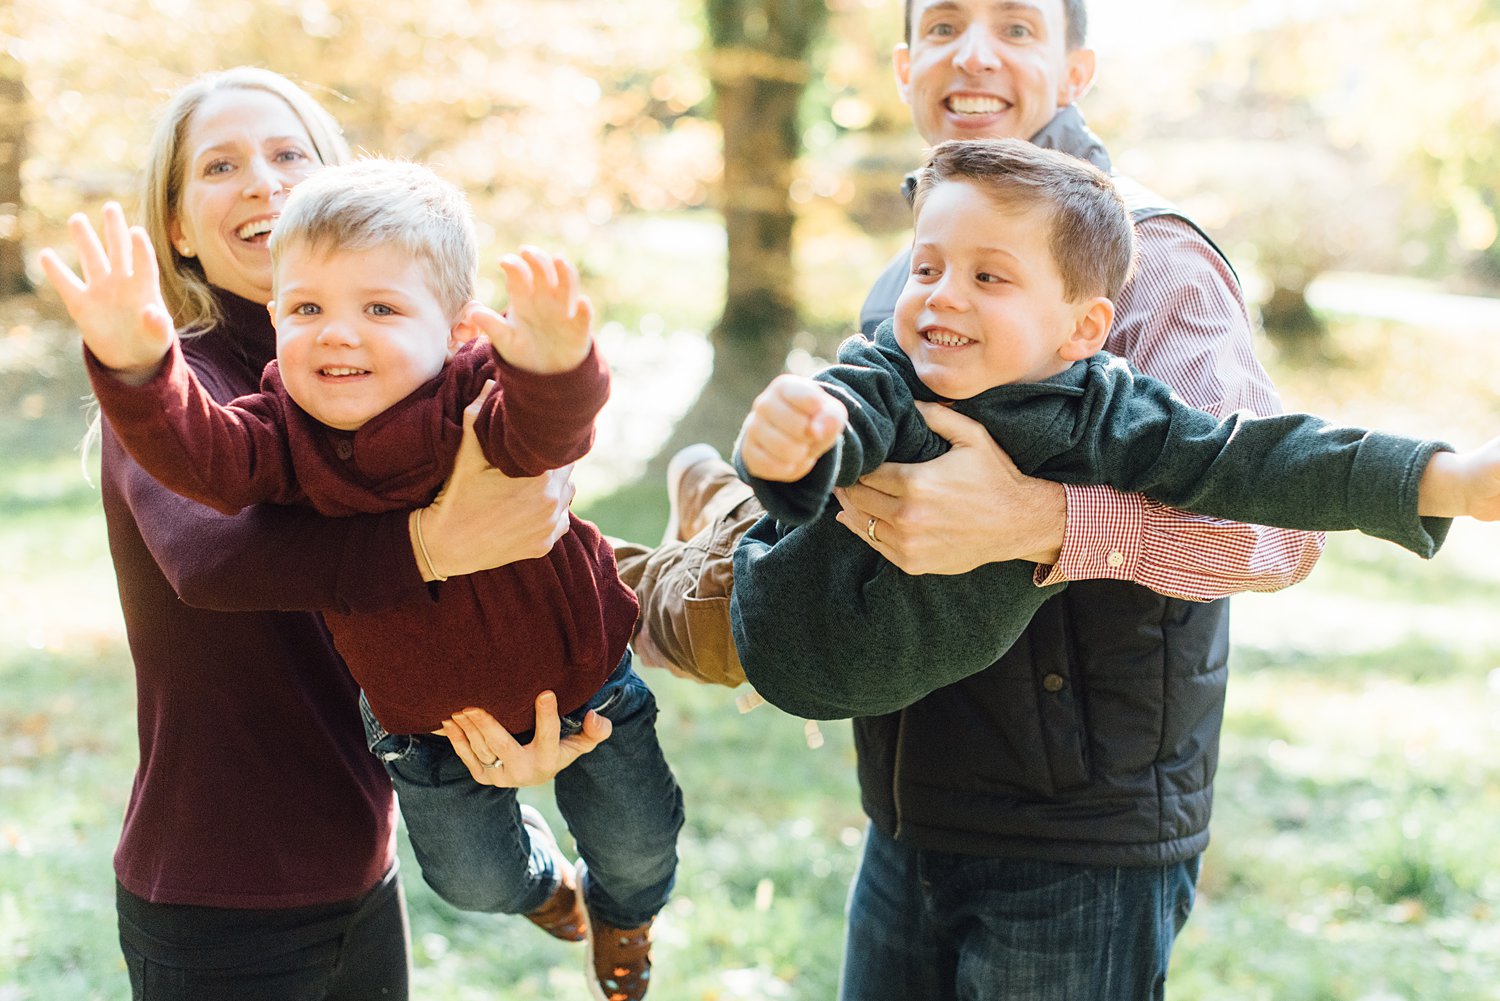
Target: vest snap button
[(344, 449), (1053, 683)]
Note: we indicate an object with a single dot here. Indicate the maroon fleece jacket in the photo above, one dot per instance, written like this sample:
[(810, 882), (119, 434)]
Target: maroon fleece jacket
[(494, 639)]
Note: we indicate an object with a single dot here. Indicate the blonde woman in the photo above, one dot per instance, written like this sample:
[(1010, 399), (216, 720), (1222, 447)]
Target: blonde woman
[(257, 858)]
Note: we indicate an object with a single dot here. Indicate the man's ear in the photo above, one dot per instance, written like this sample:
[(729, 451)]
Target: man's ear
[(1079, 78), (1091, 326), (901, 63), (465, 326)]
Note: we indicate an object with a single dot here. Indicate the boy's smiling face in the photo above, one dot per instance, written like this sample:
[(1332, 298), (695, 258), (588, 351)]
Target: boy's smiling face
[(357, 331), (984, 304)]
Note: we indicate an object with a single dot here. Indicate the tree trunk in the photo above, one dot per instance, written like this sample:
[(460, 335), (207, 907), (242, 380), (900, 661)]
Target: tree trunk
[(758, 68), (13, 120), (1290, 322)]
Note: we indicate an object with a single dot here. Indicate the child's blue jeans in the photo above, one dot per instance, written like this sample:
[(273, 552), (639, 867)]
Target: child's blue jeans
[(620, 801)]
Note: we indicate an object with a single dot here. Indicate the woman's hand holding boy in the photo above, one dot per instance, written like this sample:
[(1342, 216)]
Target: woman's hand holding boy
[(495, 758)]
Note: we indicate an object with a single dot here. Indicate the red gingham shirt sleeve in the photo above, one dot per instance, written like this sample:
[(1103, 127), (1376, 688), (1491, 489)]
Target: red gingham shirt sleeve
[(1181, 319)]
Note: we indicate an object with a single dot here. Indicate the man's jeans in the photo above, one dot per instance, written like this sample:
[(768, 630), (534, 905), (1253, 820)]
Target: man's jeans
[(942, 927), (620, 801)]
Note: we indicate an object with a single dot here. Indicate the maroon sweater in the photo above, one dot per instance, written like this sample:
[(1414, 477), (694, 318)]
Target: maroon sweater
[(254, 787), (494, 639)]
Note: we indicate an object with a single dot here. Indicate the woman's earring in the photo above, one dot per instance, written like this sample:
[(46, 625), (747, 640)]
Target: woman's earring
[(185, 250)]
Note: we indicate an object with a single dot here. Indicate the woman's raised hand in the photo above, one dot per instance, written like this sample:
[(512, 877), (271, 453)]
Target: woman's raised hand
[(117, 303)]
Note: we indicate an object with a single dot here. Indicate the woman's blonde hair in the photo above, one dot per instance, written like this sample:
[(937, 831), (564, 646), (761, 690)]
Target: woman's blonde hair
[(187, 293), (188, 296)]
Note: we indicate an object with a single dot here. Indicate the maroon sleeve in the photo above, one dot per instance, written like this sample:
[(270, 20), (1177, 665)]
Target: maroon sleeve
[(267, 557), (226, 456), (533, 422)]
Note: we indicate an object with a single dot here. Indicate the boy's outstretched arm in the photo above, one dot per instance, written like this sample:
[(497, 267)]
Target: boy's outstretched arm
[(1456, 484), (791, 424), (117, 303), (550, 379)]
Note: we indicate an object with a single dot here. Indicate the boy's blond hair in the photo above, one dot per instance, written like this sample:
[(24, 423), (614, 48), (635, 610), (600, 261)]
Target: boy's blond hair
[(1091, 238), (374, 202)]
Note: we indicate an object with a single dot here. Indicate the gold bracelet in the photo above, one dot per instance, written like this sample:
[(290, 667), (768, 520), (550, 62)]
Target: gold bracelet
[(422, 548)]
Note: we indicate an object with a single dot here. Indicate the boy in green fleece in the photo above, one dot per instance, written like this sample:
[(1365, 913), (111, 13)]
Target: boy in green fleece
[(1017, 254)]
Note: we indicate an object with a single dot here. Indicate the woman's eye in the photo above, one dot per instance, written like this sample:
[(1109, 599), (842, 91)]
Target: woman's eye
[(217, 167), (291, 156)]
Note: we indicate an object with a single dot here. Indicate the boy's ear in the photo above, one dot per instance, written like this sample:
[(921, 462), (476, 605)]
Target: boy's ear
[(1093, 320), (271, 308), (465, 326)]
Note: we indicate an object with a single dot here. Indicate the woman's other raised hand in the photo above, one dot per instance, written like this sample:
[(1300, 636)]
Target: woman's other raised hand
[(117, 302)]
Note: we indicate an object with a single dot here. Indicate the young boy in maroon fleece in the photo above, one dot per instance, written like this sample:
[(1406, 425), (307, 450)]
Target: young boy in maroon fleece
[(379, 349)]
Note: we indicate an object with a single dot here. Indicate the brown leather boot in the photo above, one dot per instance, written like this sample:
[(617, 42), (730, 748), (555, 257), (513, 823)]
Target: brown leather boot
[(619, 959), (562, 915)]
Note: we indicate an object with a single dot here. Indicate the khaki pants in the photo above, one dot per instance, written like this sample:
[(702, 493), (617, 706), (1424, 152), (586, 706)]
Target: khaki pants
[(684, 587)]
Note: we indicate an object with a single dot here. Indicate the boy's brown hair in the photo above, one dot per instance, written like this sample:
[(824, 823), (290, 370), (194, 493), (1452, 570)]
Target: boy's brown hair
[(1091, 237)]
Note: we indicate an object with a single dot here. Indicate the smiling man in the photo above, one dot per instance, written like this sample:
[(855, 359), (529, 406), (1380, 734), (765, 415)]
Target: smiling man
[(1035, 828), (986, 70)]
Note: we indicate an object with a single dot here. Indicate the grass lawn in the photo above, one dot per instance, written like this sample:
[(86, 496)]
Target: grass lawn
[(1358, 797)]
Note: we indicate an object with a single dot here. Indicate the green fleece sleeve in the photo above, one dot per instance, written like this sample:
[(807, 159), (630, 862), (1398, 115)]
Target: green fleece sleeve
[(1291, 470)]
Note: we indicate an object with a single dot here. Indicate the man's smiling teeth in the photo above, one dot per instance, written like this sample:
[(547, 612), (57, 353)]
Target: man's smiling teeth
[(341, 370), (944, 339), (966, 104), (250, 230)]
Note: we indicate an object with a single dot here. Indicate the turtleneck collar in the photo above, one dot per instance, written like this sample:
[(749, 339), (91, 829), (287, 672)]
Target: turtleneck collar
[(1067, 133), (248, 325)]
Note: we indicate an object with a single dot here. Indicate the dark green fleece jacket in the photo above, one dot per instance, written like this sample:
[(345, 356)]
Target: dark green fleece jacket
[(828, 628)]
